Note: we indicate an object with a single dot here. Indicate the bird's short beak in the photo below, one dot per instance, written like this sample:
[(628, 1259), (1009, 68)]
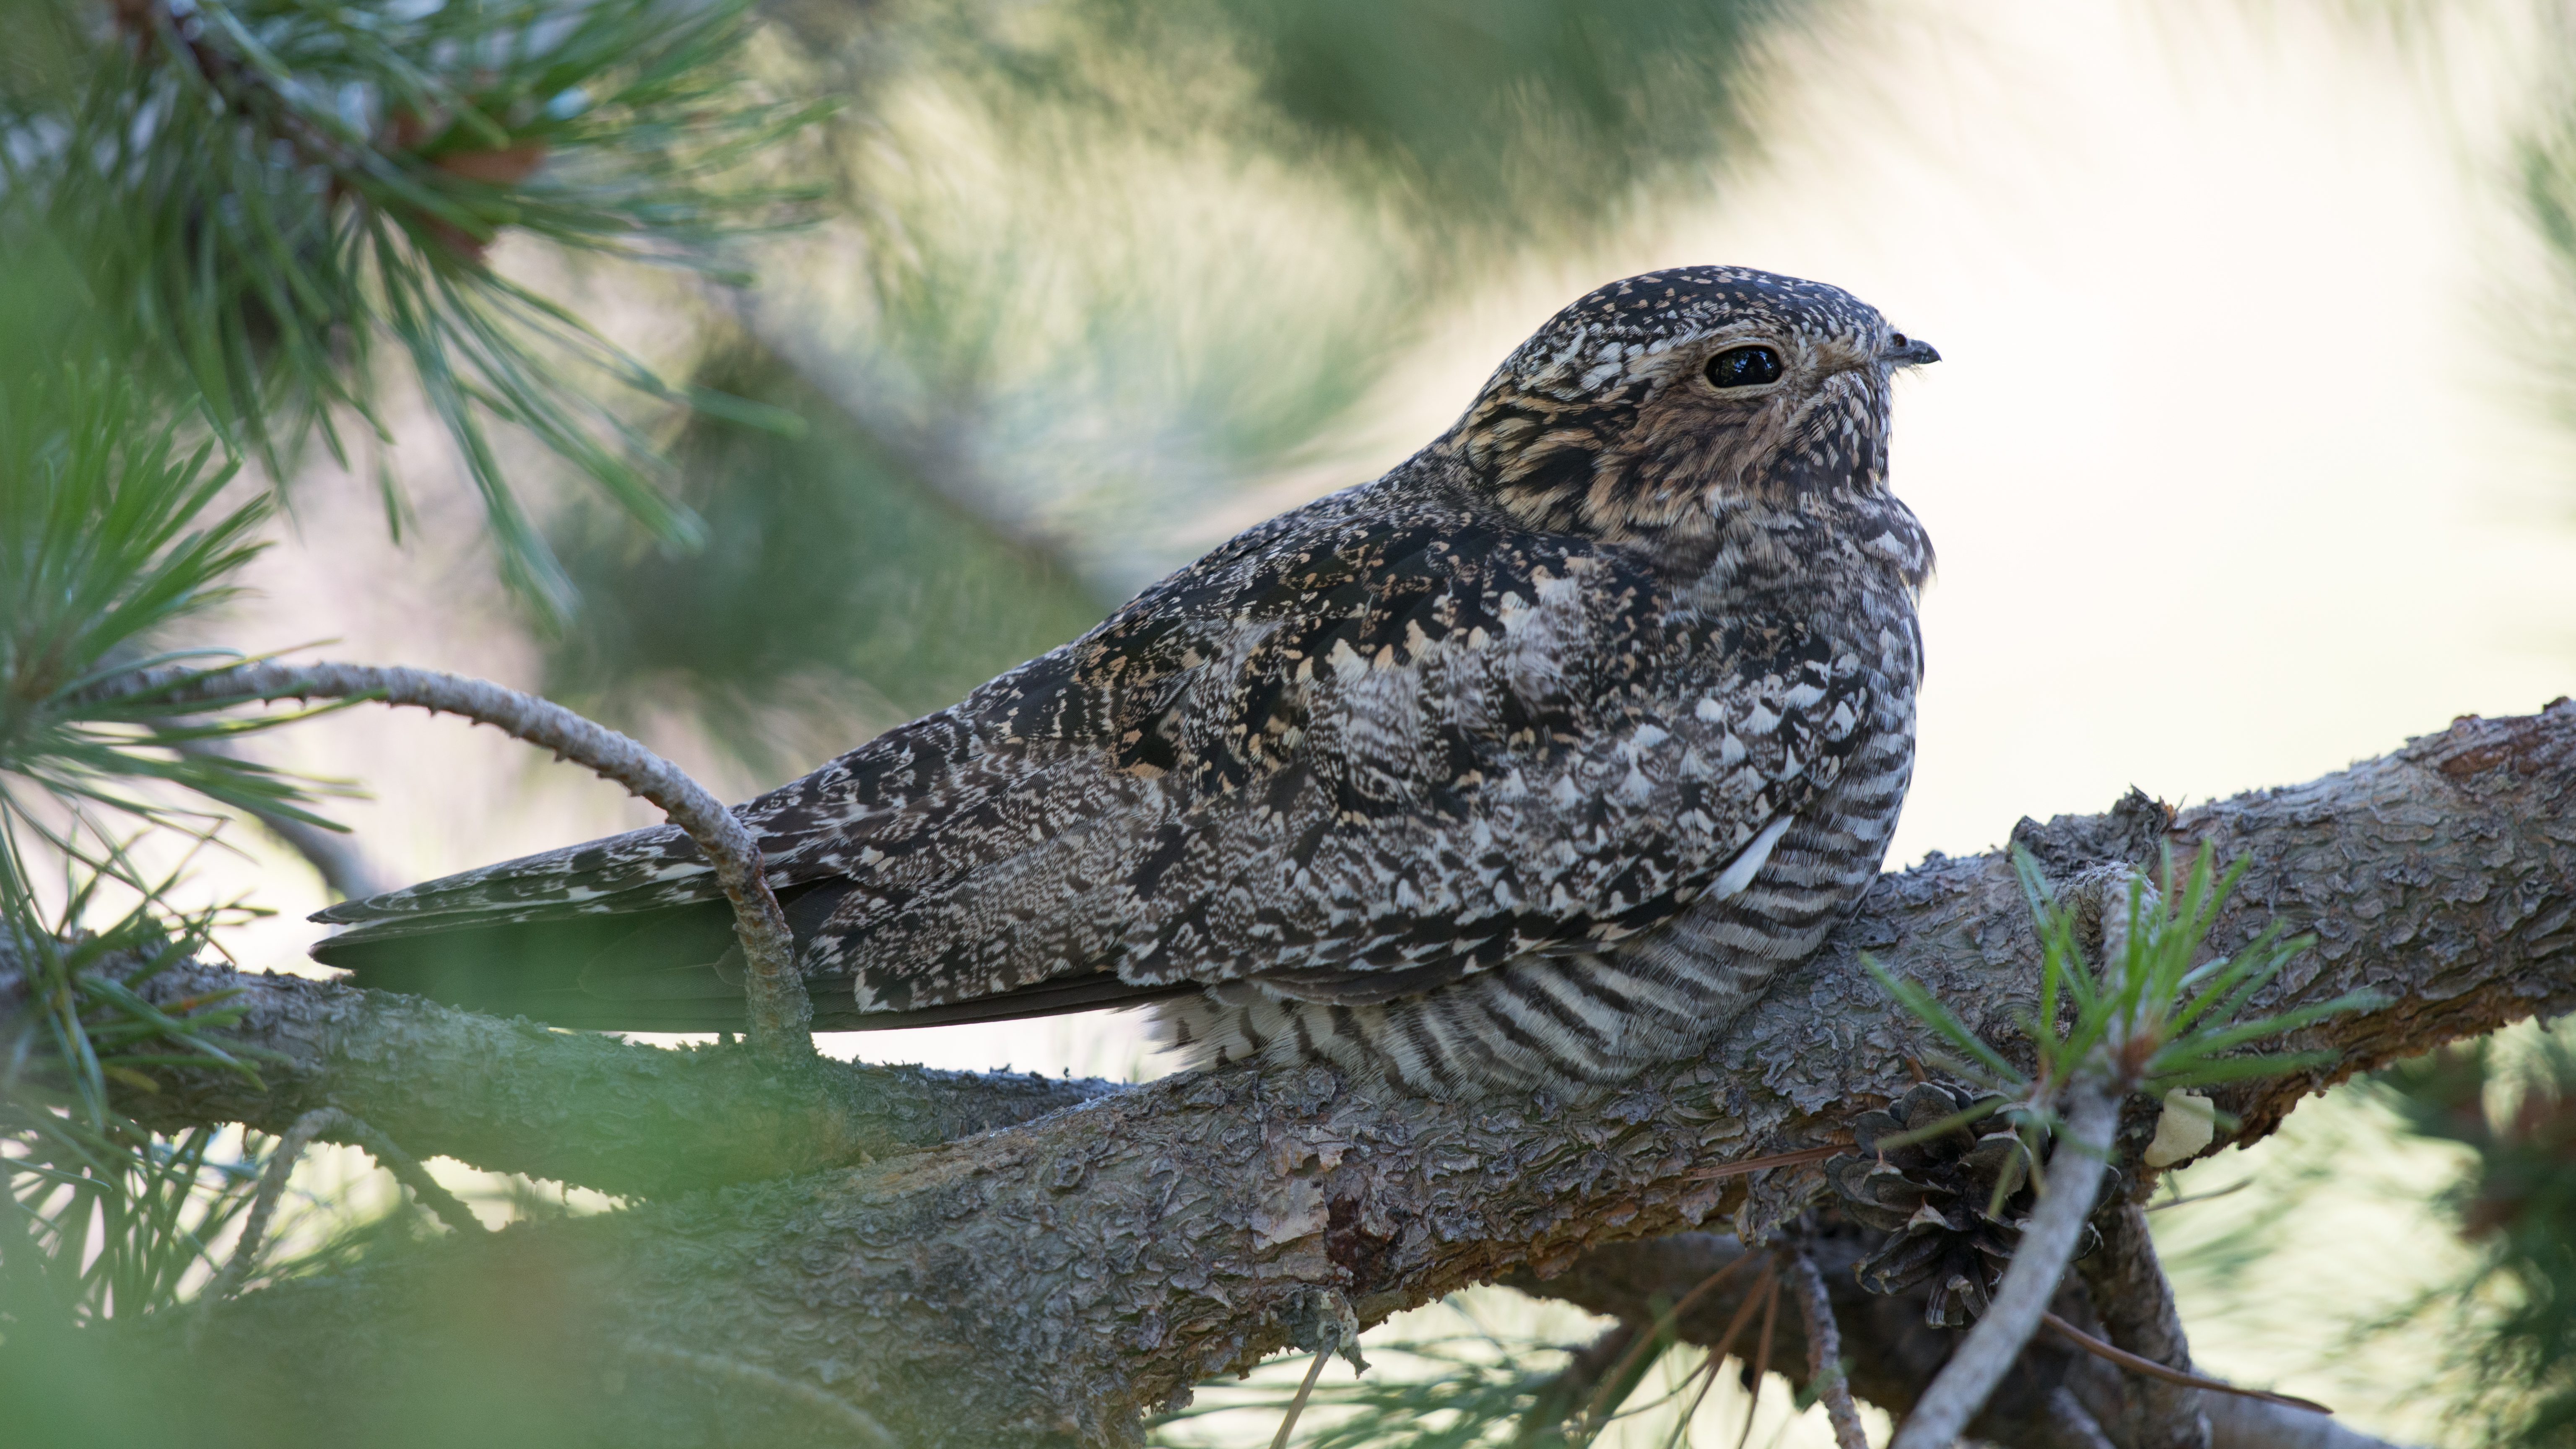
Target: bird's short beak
[(1904, 351)]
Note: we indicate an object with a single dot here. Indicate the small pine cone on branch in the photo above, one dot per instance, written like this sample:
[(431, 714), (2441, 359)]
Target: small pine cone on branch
[(1952, 1205)]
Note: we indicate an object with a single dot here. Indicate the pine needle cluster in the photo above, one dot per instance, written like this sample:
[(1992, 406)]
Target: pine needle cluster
[(216, 219), (257, 196)]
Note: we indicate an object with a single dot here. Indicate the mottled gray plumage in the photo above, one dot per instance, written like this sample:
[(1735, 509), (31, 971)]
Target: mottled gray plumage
[(1530, 761)]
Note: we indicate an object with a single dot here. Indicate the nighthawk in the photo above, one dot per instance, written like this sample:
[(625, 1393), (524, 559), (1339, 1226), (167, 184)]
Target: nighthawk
[(1531, 761)]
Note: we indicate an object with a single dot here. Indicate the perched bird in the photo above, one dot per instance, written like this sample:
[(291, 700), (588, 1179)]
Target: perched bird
[(1530, 762)]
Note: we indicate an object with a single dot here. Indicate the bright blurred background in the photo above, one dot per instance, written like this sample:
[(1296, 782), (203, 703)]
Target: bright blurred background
[(2250, 452)]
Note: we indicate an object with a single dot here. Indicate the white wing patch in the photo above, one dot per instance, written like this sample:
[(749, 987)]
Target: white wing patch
[(1740, 871)]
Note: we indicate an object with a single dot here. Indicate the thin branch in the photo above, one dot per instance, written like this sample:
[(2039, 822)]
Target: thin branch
[(281, 1166), (2160, 1204), (2154, 1370), (1653, 1338), (1560, 1398), (1706, 1375), (1598, 1415), (1305, 1391), (1762, 1350), (2236, 1422), (781, 1014), (446, 1206), (263, 1204), (1825, 1377), (2038, 1263)]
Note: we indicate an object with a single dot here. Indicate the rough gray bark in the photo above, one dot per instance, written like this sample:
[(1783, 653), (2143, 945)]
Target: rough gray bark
[(1057, 1279), (2135, 1304)]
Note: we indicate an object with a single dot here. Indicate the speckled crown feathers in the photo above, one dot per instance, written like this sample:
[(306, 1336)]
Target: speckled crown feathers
[(1569, 359)]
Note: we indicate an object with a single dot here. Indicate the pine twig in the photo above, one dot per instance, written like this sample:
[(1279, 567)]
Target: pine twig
[(1706, 1374), (1562, 1396), (1825, 1349), (781, 1014), (2047, 1246), (1305, 1391), (1653, 1335), (1761, 1354), (2214, 1193), (263, 1204), (1596, 1415), (273, 1178), (446, 1206), (2154, 1370)]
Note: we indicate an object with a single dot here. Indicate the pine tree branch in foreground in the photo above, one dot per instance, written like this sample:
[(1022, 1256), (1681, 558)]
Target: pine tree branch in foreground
[(780, 1013), (1056, 1280)]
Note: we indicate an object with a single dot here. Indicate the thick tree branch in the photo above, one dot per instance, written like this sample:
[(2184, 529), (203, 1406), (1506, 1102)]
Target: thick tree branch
[(513, 1096), (1055, 1280)]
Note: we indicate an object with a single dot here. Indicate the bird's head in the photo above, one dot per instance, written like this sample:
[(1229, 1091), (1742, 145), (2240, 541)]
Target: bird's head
[(1657, 409)]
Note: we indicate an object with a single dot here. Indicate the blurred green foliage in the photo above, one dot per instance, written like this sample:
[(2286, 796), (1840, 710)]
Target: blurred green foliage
[(1109, 263), (1510, 122), (830, 586), (256, 193), (2510, 1326), (1515, 116)]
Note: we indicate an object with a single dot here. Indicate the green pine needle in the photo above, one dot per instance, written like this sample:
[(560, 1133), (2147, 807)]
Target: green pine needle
[(253, 194), (2153, 1020), (114, 536)]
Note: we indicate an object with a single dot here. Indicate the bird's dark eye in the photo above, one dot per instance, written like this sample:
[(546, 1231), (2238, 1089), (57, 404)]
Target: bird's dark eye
[(1744, 367)]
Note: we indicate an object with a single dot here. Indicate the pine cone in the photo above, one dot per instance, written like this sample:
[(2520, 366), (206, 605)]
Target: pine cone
[(1931, 1199)]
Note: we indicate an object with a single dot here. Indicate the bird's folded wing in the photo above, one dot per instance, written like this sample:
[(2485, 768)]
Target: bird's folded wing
[(1377, 754), (1573, 767)]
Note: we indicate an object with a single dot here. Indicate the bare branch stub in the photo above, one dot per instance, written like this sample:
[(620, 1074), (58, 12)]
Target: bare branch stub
[(282, 1158), (273, 1178), (1824, 1348)]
